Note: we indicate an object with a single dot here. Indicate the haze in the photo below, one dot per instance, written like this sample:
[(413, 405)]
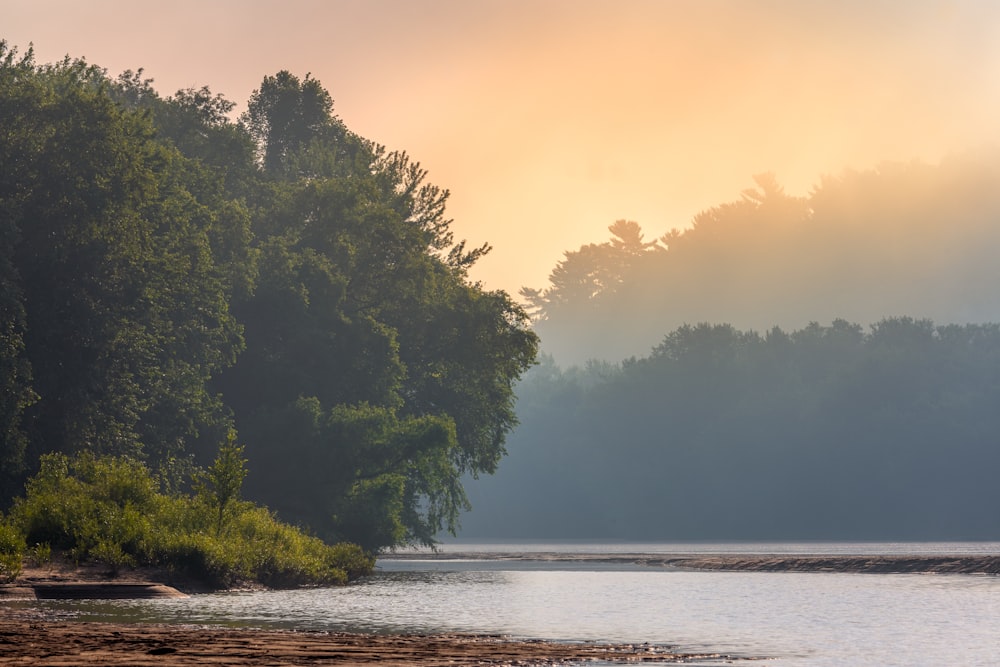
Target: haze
[(550, 120)]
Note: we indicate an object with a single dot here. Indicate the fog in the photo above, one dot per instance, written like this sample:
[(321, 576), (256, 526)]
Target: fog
[(787, 368), (899, 239), (832, 432), (550, 120)]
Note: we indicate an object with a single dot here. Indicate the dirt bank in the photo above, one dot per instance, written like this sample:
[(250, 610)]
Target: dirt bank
[(41, 643), (60, 579)]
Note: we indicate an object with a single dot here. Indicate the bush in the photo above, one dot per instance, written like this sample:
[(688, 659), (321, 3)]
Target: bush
[(76, 504), (109, 510), (12, 548), (40, 554), (254, 547)]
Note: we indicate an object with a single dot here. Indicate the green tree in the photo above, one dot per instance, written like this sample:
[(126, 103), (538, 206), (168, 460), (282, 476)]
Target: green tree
[(124, 305), (16, 392), (223, 480), (168, 273), (286, 116), (363, 314)]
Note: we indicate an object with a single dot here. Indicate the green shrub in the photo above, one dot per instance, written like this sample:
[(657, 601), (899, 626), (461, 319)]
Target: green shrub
[(254, 547), (76, 504), (40, 554), (108, 510), (111, 554), (12, 548)]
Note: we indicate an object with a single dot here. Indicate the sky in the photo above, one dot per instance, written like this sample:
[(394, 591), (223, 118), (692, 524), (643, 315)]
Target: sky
[(550, 119)]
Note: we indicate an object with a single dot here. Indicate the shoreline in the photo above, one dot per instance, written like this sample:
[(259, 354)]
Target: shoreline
[(28, 638), (943, 564), (60, 579), (32, 636)]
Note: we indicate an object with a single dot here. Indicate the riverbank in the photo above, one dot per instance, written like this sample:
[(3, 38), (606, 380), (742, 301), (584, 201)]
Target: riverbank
[(31, 636), (61, 579), (944, 564), (28, 638)]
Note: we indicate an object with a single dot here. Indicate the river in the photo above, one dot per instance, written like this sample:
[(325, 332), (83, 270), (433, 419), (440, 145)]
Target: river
[(792, 619)]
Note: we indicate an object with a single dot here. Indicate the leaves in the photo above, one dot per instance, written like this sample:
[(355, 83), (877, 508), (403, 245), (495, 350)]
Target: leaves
[(168, 274)]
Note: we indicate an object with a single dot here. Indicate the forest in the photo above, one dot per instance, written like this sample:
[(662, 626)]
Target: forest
[(178, 286), (823, 367), (830, 432)]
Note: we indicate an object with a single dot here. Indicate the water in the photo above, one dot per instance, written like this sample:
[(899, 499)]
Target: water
[(792, 619)]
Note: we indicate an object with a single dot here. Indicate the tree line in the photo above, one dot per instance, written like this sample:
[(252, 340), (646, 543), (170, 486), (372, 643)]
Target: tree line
[(829, 432), (170, 277), (901, 239)]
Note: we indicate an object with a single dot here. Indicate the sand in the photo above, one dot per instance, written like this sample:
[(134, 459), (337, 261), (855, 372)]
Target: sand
[(44, 643), (28, 636)]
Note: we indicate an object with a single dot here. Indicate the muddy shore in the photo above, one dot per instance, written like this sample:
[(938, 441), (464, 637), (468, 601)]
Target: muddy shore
[(29, 636), (43, 643)]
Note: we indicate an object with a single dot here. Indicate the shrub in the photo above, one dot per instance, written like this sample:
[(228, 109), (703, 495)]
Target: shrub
[(111, 554), (109, 510), (40, 554), (12, 548)]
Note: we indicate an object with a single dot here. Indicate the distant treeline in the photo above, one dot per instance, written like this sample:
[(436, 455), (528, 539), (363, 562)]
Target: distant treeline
[(170, 275), (900, 240), (827, 432)]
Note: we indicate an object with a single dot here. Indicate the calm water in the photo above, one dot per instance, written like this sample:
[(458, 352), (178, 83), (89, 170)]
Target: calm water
[(793, 619)]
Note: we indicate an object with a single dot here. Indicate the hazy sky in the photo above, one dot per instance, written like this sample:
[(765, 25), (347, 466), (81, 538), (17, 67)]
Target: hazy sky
[(549, 120)]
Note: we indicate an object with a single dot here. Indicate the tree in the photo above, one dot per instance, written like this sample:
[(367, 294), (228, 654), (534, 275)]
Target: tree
[(168, 274), (369, 354), (223, 481), (125, 308), (592, 275), (16, 393), (285, 116)]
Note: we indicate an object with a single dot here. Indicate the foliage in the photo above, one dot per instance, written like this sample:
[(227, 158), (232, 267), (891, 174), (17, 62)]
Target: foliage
[(829, 432), (375, 374), (40, 553), (222, 482), (109, 510), (168, 274), (124, 302), (12, 550)]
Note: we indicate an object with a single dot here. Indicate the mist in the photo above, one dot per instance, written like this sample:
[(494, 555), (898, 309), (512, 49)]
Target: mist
[(899, 239), (832, 432), (787, 368), (550, 120)]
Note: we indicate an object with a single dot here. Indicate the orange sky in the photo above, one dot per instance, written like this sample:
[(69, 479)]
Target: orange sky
[(549, 120)]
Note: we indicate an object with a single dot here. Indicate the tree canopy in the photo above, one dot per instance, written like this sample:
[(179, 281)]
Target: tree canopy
[(168, 274)]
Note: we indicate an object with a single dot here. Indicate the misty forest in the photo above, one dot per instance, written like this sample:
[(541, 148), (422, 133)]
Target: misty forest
[(817, 367), (181, 289)]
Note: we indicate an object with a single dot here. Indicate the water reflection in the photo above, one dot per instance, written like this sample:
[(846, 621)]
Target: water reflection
[(799, 619)]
